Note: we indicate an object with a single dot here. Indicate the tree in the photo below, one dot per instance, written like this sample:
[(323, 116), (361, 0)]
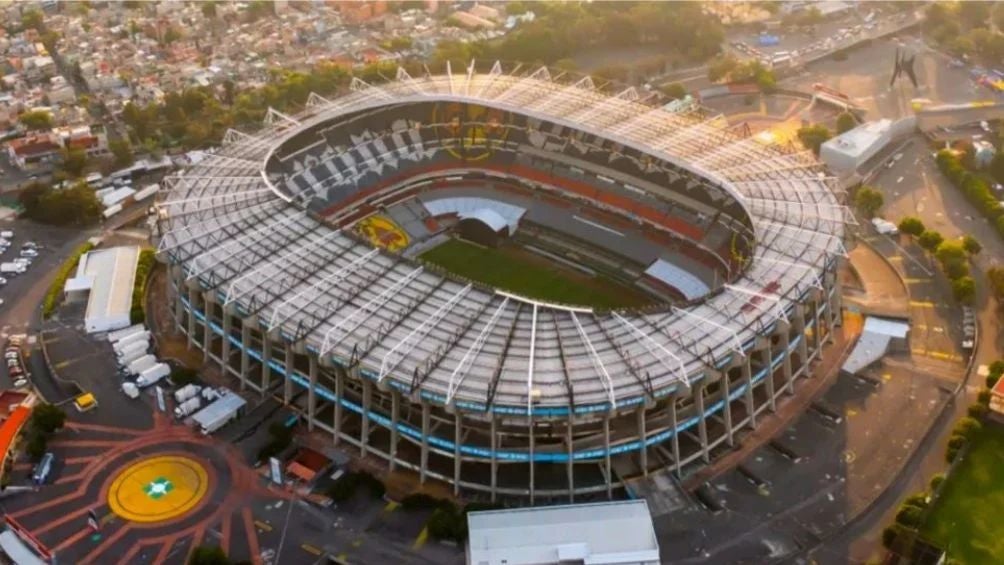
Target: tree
[(911, 226), (674, 90), (74, 162), (951, 254), (209, 9), (845, 122), (971, 245), (721, 67), (964, 289), (36, 445), (930, 240), (33, 19), (122, 151), (812, 137), (209, 555), (868, 200), (47, 418), (996, 168), (76, 205), (36, 120)]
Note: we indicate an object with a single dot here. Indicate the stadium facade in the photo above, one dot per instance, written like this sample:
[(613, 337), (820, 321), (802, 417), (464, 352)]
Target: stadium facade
[(274, 274)]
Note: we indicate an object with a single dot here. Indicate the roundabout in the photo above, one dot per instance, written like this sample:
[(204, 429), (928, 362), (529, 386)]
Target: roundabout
[(158, 488)]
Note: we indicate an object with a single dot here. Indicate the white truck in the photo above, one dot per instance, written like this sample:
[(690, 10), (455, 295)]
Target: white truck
[(186, 392), (133, 338), (130, 349), (218, 414), (128, 358), (130, 390), (153, 375), (119, 334), (188, 407), (124, 333), (143, 363), (12, 268)]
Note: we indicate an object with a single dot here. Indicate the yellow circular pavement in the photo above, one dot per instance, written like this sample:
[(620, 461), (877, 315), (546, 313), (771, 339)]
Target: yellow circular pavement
[(158, 488)]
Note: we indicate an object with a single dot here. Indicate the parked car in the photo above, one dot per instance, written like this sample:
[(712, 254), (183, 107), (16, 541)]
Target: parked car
[(29, 252), (43, 468)]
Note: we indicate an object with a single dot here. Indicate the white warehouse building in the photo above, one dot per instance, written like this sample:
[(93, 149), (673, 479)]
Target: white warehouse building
[(105, 278), (846, 152), (594, 534)]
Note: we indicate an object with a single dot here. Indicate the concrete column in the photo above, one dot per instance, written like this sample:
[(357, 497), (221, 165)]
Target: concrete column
[(312, 391), (179, 306), (266, 356), (675, 440), (816, 334), (747, 376), (395, 410), (225, 346), (803, 344), (424, 464), (726, 408), (606, 455), (789, 384), (765, 358), (245, 344), (207, 332), (340, 393), (532, 466), (287, 385), (643, 452), (702, 424), (495, 462), (457, 437), (570, 465), (364, 439), (191, 317)]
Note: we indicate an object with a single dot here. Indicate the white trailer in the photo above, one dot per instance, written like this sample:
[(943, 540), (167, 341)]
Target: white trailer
[(139, 365), (188, 407), (119, 334), (126, 359), (186, 392), (218, 414), (143, 336), (12, 268), (153, 375), (130, 348)]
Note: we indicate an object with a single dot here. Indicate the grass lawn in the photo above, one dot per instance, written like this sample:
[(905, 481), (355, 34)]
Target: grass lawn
[(967, 518), (521, 272)]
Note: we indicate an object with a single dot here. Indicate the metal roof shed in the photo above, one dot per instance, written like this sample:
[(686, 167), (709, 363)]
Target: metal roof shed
[(600, 533)]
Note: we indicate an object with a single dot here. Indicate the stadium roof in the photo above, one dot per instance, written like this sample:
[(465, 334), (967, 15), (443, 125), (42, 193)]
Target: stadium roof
[(605, 532), (262, 254)]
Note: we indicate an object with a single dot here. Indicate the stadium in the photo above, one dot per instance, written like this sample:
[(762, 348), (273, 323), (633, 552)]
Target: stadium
[(521, 284)]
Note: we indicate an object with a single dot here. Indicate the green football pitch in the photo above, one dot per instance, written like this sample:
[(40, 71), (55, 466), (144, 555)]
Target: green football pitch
[(518, 271)]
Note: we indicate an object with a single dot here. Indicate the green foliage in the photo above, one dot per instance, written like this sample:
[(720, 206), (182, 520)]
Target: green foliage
[(280, 437), (36, 445), (983, 396), (971, 245), (74, 162), (347, 485), (936, 481), (953, 258), (447, 523), (911, 226), (36, 120), (889, 535), (33, 19), (47, 418), (76, 205), (845, 122), (812, 137), (728, 68), (868, 200), (918, 500), (997, 368), (930, 240), (955, 444), (144, 266), (182, 376), (909, 516), (964, 289), (55, 291), (209, 555), (122, 151), (975, 188), (977, 411), (967, 427), (674, 90)]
